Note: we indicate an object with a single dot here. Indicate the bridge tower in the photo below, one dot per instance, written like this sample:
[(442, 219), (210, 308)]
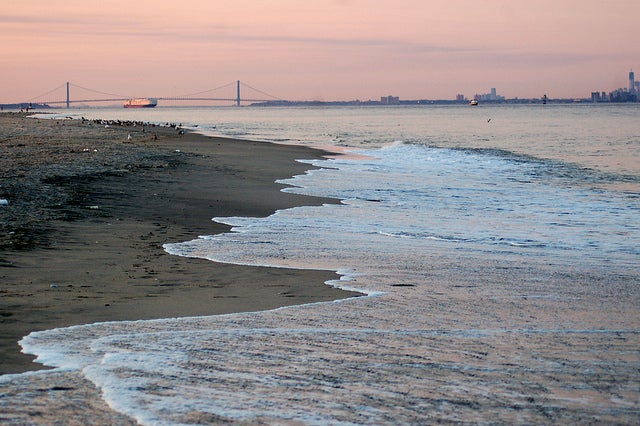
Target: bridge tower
[(238, 92), (68, 101)]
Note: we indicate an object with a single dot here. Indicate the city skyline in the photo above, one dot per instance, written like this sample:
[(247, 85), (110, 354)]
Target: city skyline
[(322, 50)]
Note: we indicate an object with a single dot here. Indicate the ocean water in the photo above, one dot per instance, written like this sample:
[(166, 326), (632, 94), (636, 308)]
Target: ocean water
[(498, 248)]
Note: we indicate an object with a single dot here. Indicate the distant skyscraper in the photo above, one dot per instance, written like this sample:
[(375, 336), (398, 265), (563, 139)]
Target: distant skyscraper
[(632, 84), (390, 100)]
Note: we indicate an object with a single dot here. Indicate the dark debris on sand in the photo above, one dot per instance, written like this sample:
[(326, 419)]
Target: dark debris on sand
[(45, 171)]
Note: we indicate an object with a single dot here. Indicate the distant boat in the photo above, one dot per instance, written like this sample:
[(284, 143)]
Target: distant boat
[(141, 103), (473, 102)]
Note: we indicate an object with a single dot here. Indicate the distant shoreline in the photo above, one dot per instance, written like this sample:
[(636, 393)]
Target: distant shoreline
[(13, 107)]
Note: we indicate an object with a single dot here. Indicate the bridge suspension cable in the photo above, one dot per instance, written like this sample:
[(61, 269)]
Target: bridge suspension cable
[(118, 97), (98, 92), (261, 92), (206, 91), (48, 93)]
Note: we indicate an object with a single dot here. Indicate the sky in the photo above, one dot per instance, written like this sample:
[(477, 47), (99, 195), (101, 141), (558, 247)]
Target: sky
[(319, 49)]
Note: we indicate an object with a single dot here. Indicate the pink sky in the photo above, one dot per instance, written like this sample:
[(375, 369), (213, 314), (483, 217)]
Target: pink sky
[(312, 49)]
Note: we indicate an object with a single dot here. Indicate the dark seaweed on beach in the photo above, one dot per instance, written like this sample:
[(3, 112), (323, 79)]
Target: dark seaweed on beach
[(47, 172)]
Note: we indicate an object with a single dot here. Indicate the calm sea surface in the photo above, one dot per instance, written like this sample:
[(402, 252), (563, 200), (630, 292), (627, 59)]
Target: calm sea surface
[(499, 247)]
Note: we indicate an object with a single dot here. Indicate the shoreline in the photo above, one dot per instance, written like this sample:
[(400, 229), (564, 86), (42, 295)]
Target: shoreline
[(88, 211), (463, 332)]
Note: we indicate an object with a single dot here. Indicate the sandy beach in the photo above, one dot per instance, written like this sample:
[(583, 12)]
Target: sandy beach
[(89, 205)]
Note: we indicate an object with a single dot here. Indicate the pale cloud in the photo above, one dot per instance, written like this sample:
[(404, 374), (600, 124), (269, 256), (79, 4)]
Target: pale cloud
[(330, 49)]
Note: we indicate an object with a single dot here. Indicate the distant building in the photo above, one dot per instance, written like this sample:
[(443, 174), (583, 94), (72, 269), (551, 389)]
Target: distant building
[(490, 97), (627, 94), (622, 95), (390, 100), (460, 98)]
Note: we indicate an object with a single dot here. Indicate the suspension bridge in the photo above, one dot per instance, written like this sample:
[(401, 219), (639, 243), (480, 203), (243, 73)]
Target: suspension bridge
[(230, 92)]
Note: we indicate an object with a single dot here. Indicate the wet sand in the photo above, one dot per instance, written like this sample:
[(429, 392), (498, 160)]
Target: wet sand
[(88, 211)]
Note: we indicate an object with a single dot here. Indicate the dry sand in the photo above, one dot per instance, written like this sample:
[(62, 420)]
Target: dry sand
[(88, 211)]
